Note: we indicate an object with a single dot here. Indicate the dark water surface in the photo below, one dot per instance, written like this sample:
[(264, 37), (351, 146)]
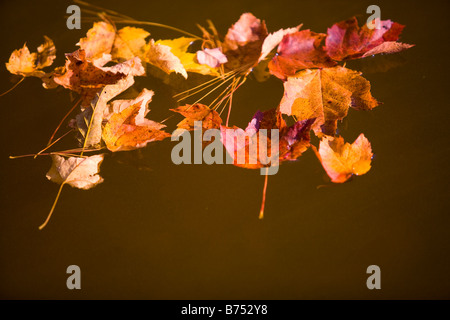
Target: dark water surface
[(154, 230)]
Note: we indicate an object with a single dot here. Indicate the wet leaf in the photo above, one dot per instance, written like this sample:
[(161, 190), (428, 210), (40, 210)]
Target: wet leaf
[(211, 57), (293, 140), (298, 51), (342, 160), (346, 40), (129, 129), (82, 76), (326, 95), (243, 43), (78, 172), (26, 64), (198, 112), (160, 55), (123, 44)]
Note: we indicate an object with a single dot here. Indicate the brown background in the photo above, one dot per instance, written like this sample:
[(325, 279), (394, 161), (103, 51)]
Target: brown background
[(192, 232)]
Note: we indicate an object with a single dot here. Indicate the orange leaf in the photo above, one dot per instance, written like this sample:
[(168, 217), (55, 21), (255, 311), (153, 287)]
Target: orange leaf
[(198, 112), (128, 129), (326, 95), (341, 160)]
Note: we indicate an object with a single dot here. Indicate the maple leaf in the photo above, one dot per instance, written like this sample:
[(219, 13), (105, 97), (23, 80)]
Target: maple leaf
[(78, 172), (128, 129), (297, 51), (172, 55), (87, 79), (211, 57), (273, 40), (292, 141), (346, 40), (243, 42), (22, 62), (326, 94), (198, 112), (123, 44), (342, 160)]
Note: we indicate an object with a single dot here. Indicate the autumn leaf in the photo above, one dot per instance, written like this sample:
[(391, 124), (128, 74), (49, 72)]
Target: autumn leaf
[(129, 129), (211, 57), (179, 52), (342, 160), (273, 40), (243, 43), (78, 172), (292, 141), (82, 76), (160, 55), (26, 64), (123, 44), (326, 94), (298, 51), (198, 112), (346, 40)]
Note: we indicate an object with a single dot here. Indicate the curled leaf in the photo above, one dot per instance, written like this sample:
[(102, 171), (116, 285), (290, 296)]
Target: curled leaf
[(198, 112), (326, 95), (342, 160), (211, 57), (26, 64), (346, 40)]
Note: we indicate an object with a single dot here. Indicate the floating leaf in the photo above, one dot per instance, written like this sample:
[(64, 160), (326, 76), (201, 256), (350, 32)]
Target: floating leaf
[(298, 51), (26, 64), (211, 57), (243, 42), (326, 95), (78, 172), (342, 160), (124, 44), (346, 40), (198, 112), (293, 140), (129, 129)]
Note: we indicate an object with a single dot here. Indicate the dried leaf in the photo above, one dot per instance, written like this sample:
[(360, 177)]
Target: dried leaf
[(273, 40), (124, 44), (198, 112), (341, 160), (81, 173), (243, 43), (293, 140), (83, 77), (129, 129), (26, 64), (211, 57), (160, 55), (346, 40), (326, 95), (298, 51)]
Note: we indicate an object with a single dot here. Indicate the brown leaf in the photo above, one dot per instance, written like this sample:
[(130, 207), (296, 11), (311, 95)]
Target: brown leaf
[(342, 160), (298, 51), (346, 40), (123, 44), (26, 64), (81, 173), (326, 95), (198, 112)]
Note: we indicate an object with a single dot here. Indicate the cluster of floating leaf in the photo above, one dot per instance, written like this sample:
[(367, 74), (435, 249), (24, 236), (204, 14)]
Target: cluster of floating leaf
[(318, 91)]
